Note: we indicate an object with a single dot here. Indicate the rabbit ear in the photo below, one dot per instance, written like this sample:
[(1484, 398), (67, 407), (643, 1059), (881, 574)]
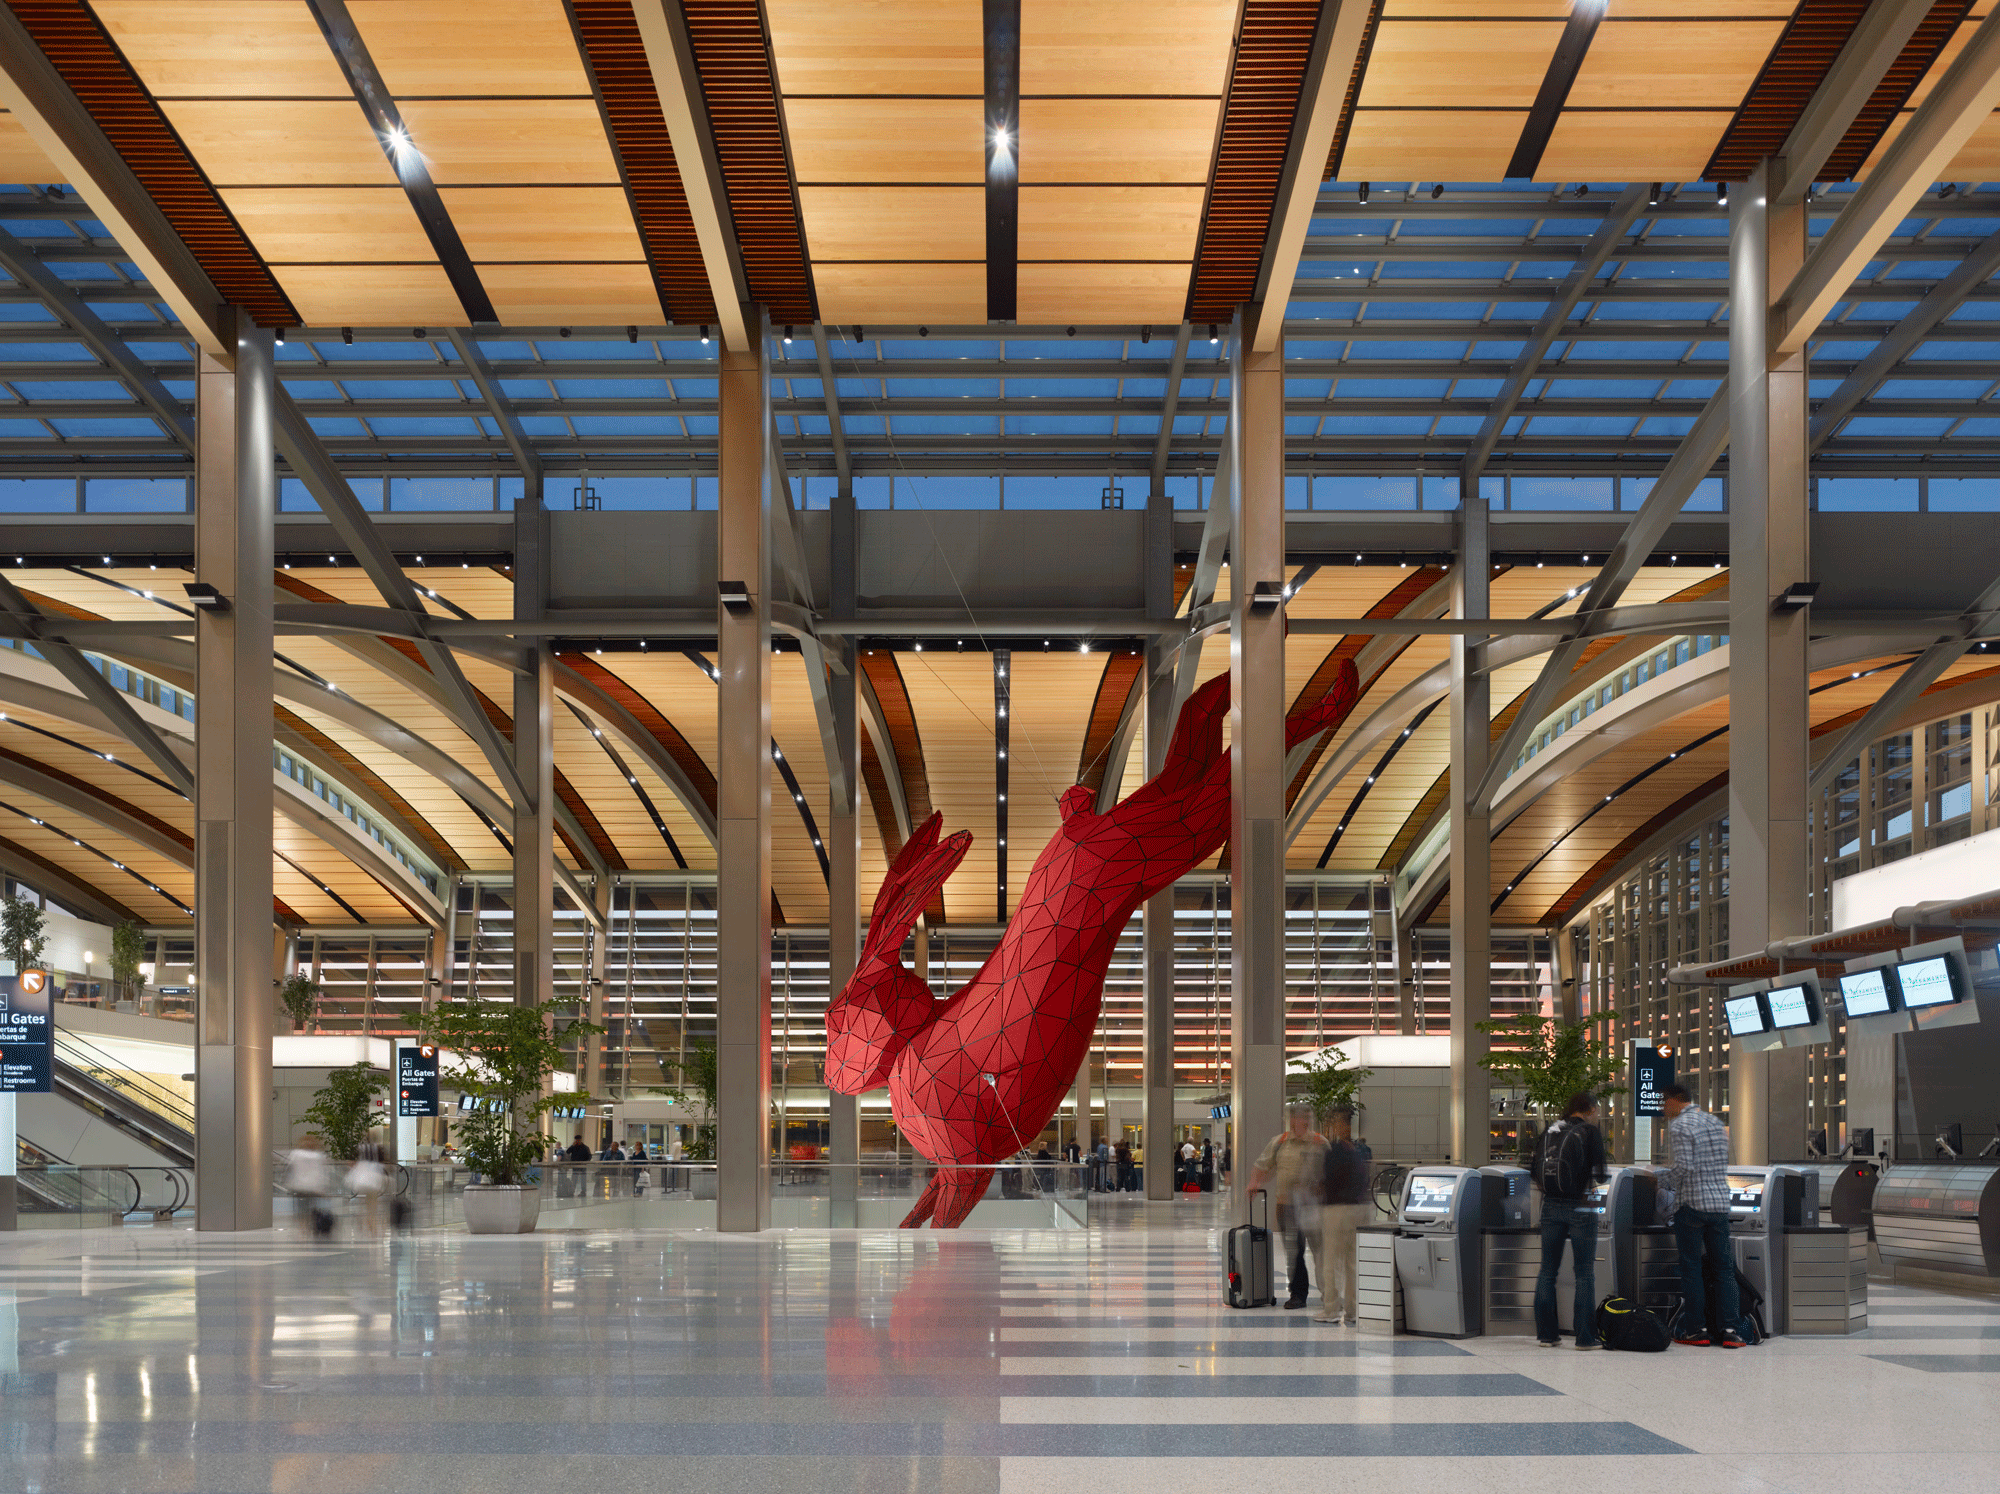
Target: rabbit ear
[(1331, 710), (910, 884)]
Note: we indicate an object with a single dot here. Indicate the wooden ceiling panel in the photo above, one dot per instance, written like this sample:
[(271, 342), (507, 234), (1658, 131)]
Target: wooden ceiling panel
[(1694, 9), (1177, 47), (895, 223), (1124, 292), (531, 295), (1110, 222), (952, 698), (466, 141), (281, 142), (948, 293), (878, 46), (371, 295), (795, 869), (1631, 147), (498, 224), (1138, 141), (1980, 158), (434, 47), (1457, 65), (225, 48), (887, 140), (1425, 145), (1527, 10), (1672, 64), (441, 807), (21, 159), (330, 225)]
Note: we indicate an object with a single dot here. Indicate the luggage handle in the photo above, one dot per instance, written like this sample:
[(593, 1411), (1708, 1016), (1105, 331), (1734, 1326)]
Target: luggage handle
[(1265, 1194)]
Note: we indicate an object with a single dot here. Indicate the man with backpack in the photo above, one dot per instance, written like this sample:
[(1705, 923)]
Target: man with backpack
[(1699, 1178), (1569, 1159), (1343, 1212)]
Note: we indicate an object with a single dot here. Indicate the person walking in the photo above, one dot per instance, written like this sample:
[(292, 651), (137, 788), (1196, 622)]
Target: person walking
[(1123, 1152), (1343, 1210), (1699, 1178), (1103, 1166), (1207, 1167), (579, 1153), (1293, 1165), (369, 1178), (1569, 1159), (308, 1177)]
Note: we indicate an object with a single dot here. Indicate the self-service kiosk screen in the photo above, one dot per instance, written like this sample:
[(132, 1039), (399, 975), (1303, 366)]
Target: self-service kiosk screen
[(1866, 993), (1745, 1015), (1430, 1195), (1746, 1193), (1792, 1006), (1927, 983)]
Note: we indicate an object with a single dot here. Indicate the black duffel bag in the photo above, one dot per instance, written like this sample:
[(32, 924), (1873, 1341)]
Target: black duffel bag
[(1624, 1324)]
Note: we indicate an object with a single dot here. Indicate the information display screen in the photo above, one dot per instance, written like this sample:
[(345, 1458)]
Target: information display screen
[(1927, 983), (1745, 1015), (1746, 1193), (1792, 1006), (1866, 993), (1431, 1194)]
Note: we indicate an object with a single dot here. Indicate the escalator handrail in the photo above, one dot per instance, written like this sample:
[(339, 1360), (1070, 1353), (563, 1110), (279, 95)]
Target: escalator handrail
[(169, 1104), (174, 1141)]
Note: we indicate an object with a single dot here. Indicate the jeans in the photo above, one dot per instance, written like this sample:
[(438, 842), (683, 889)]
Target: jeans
[(1568, 1220), (1700, 1232)]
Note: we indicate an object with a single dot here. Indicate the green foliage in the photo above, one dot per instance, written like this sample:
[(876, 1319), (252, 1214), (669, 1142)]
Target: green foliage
[(697, 1088), (340, 1111), (1549, 1060), (23, 933), (298, 996), (128, 953), (503, 1055), (1330, 1084)]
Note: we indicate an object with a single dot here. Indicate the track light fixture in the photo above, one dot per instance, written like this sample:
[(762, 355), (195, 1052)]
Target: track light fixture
[(632, 334), (1722, 194), (1145, 334), (1213, 335), (1582, 190), (347, 336), (788, 336), (1437, 190), (1361, 192), (1653, 196), (704, 334), (278, 336), (857, 333)]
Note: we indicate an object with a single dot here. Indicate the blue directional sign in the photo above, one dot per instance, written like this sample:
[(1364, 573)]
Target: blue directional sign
[(27, 1034)]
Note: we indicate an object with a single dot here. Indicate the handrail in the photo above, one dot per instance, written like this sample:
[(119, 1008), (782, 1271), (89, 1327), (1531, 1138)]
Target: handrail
[(154, 1096)]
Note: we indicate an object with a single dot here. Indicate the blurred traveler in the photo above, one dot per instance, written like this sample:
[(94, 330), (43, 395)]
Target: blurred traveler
[(1343, 1211), (1293, 1165)]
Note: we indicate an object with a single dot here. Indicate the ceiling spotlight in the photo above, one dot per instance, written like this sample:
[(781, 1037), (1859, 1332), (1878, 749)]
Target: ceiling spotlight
[(347, 336), (857, 333), (562, 332), (397, 138), (1002, 138), (1145, 334), (278, 336), (1361, 193), (1722, 194), (704, 334), (417, 332), (1437, 190), (1213, 336), (1653, 196), (1582, 190), (631, 334), (788, 336)]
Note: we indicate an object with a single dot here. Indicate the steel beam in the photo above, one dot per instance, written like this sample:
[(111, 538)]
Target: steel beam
[(1471, 842), (1963, 100), (1871, 50), (830, 397), (1590, 262), (1163, 443), (501, 408)]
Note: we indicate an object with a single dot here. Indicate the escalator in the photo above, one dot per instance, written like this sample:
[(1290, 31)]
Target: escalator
[(47, 1186), (138, 1107)]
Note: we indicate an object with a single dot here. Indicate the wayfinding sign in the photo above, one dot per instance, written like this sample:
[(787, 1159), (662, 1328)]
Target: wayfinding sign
[(416, 1082), (27, 1033), (1652, 1072)]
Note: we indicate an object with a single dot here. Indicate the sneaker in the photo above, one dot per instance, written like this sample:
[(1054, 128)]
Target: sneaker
[(1694, 1340), (1590, 1346), (1547, 1343), (1731, 1339)]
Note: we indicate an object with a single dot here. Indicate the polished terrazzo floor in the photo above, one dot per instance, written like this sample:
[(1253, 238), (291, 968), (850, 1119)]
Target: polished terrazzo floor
[(1098, 1362)]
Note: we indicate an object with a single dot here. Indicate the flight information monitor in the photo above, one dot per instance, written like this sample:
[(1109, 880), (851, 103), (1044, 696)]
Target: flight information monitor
[(1430, 1194), (1931, 982), (1866, 993), (1746, 1015), (1792, 1006)]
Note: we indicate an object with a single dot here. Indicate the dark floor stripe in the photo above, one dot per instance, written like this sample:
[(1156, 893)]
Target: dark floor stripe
[(1945, 1364)]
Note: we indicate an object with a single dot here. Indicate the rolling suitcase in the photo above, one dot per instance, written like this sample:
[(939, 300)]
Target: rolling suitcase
[(1250, 1259)]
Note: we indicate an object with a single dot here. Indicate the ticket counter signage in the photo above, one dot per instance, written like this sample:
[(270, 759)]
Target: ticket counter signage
[(417, 1082), (27, 1034)]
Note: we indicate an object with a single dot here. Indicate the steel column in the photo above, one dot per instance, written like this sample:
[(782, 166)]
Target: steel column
[(1157, 954), (743, 795), (1769, 715), (843, 923), (235, 493), (1471, 840), (1257, 753), (534, 766)]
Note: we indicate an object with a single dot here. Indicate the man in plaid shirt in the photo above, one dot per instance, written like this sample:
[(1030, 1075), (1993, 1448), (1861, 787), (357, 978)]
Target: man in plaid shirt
[(1700, 1181)]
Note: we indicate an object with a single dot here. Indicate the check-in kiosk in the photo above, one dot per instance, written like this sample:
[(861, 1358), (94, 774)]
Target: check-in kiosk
[(1940, 1216), (1763, 1203), (1437, 1251), (1510, 1246), (1847, 1192), (1643, 1256)]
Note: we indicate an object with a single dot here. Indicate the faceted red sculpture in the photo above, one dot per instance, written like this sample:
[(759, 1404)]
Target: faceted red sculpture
[(973, 1077)]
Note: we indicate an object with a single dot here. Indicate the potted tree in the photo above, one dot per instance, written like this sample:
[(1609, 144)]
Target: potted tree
[(1330, 1083), (342, 1110), (23, 934), (299, 995), (1549, 1060), (128, 954), (503, 1056)]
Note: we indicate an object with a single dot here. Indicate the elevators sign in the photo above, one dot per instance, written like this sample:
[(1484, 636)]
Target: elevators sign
[(1652, 1072), (416, 1082), (26, 1033)]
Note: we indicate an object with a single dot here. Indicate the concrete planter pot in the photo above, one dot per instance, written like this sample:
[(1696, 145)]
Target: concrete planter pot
[(493, 1210)]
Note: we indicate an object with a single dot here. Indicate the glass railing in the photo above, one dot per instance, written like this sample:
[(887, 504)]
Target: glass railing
[(61, 1196)]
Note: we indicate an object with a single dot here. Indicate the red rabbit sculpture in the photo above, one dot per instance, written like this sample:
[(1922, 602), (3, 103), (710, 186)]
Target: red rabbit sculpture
[(973, 1077)]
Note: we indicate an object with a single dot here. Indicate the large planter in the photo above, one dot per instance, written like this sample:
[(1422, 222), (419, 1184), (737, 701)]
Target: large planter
[(494, 1210)]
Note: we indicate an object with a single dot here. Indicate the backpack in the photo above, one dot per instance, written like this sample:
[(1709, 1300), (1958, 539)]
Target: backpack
[(1563, 1166), (1624, 1324)]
